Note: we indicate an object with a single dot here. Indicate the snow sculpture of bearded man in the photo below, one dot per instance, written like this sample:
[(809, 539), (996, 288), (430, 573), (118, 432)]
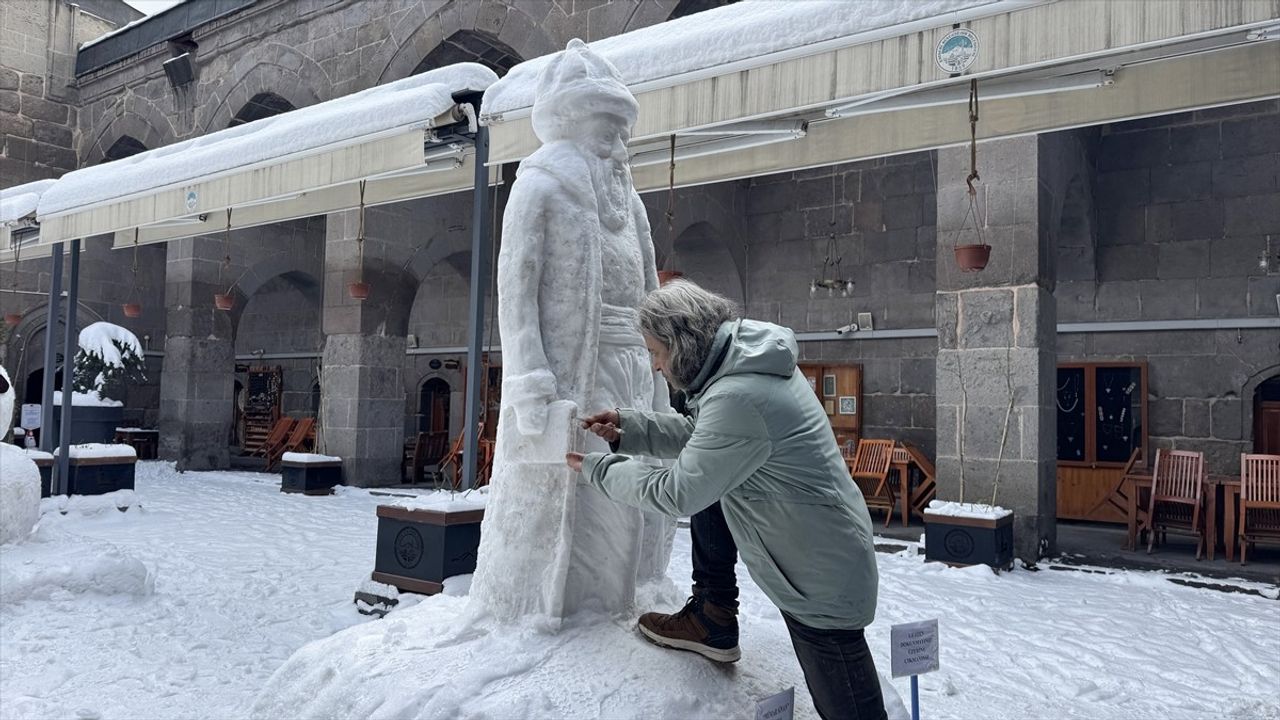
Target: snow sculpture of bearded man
[(577, 257)]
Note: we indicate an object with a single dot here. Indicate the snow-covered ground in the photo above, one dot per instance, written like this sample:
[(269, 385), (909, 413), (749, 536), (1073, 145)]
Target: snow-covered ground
[(186, 606)]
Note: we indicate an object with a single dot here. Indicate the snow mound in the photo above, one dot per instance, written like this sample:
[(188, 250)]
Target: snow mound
[(444, 500), (90, 399), (20, 201), (19, 494), (308, 458), (117, 451), (593, 667), (79, 567), (967, 510), (83, 505)]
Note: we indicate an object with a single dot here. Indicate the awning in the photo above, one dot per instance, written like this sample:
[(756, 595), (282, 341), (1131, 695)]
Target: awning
[(19, 231), (1049, 66), (406, 139)]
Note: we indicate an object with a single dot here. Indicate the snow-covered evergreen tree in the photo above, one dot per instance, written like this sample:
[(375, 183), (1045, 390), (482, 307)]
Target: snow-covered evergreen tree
[(109, 359)]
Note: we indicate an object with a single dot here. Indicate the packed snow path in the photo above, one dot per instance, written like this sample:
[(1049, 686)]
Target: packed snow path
[(241, 576)]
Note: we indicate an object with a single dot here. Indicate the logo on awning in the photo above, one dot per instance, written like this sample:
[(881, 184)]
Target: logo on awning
[(192, 198), (957, 50)]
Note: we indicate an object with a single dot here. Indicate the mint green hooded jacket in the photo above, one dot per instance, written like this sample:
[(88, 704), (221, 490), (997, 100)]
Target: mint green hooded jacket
[(761, 444)]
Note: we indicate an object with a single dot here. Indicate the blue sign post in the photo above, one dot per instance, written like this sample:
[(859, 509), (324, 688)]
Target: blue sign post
[(914, 652)]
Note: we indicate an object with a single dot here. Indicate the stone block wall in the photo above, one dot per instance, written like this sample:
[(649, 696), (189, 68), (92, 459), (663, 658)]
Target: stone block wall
[(1187, 206)]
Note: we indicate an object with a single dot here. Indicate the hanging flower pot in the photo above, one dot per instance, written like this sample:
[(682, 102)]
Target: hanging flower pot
[(972, 258), (666, 276), (358, 290), (224, 301), (12, 319), (132, 310)]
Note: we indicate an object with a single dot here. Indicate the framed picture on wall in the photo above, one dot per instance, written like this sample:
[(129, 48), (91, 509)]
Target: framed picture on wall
[(829, 406), (848, 405), (828, 385), (813, 383)]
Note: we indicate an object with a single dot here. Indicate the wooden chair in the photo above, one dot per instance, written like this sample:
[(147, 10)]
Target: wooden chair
[(870, 470), (298, 439), (1177, 487), (276, 439), (1259, 500), (423, 449), (928, 487)]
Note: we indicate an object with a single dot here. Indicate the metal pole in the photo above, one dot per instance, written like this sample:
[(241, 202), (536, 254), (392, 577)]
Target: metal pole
[(50, 351), (70, 345), (480, 261), (915, 697)]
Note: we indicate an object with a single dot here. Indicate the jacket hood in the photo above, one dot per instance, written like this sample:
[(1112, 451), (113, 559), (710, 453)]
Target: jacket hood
[(748, 346)]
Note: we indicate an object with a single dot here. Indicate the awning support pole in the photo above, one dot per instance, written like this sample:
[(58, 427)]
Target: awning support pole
[(481, 232), (50, 350), (71, 343)]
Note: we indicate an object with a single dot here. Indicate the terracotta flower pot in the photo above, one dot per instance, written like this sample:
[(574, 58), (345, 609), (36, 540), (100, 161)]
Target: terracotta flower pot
[(666, 276), (358, 290), (132, 310), (224, 301), (972, 258), (12, 319)]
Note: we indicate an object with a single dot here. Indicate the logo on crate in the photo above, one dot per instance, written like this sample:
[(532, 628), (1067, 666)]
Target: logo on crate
[(956, 50), (959, 544), (408, 548)]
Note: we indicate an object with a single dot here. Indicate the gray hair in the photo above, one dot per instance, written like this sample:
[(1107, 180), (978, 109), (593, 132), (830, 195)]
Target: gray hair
[(685, 318)]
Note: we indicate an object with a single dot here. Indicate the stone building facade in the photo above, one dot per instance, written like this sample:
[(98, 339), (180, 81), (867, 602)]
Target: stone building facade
[(1163, 219)]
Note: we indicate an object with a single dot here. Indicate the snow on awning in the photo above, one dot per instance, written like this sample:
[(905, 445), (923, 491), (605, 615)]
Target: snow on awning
[(18, 227), (404, 138), (832, 88)]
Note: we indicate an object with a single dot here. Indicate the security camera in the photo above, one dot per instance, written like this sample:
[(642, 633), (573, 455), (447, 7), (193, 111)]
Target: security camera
[(851, 327)]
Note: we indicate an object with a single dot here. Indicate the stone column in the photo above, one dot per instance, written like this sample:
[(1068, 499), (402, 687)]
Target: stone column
[(996, 342), (198, 380), (362, 396)]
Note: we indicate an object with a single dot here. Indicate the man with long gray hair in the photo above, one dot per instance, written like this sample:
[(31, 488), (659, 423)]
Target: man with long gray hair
[(758, 448)]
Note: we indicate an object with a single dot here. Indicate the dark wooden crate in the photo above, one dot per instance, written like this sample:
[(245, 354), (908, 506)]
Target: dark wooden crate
[(969, 541), (99, 476), (310, 478), (418, 549)]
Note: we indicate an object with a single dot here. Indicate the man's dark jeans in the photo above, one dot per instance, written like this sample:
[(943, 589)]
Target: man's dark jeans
[(837, 664), (839, 670)]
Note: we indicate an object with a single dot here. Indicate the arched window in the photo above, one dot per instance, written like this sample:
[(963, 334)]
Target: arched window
[(433, 406), (123, 147), (471, 46), (1266, 417), (262, 105)]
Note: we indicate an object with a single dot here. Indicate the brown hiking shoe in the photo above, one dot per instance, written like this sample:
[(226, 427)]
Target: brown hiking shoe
[(700, 626)]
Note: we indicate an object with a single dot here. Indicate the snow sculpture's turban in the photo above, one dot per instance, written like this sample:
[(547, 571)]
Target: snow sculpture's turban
[(577, 84)]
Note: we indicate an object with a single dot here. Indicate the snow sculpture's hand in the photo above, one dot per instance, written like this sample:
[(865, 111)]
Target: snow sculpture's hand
[(604, 424), (556, 437), (574, 461)]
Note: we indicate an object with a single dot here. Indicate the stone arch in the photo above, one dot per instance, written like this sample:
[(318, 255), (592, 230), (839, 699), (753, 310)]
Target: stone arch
[(263, 105), (1247, 395), (291, 323), (439, 312), (700, 252), (1074, 232), (271, 67), (689, 7), (132, 116), (27, 339), (505, 25), (124, 146)]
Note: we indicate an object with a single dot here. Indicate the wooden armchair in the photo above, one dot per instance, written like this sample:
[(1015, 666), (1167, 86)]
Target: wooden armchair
[(276, 439), (928, 487), (1259, 501), (425, 448), (1177, 487), (870, 470), (299, 439)]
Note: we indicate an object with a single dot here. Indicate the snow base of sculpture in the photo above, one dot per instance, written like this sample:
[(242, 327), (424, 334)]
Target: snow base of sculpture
[(594, 666), (19, 494)]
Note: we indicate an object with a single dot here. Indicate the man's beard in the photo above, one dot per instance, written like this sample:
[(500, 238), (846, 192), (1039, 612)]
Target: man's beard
[(612, 184)]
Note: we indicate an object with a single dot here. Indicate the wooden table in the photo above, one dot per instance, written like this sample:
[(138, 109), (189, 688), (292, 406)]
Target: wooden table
[(144, 442), (1136, 483)]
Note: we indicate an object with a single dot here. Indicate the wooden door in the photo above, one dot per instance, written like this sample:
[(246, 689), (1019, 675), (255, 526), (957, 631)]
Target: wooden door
[(839, 389), (1266, 423)]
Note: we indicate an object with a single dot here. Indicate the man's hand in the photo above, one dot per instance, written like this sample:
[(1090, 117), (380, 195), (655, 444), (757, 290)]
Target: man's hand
[(574, 461), (604, 424)]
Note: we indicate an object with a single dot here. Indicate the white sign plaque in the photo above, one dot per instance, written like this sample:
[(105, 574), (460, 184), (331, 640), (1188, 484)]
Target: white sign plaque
[(914, 648), (30, 416), (777, 707)]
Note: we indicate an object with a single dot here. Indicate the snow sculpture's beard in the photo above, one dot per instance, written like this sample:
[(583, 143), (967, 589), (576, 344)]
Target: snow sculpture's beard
[(612, 184)]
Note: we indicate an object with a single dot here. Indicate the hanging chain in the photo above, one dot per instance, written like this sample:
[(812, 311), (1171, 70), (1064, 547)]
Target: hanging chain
[(360, 238), (973, 136), (226, 260), (671, 205), (135, 261)]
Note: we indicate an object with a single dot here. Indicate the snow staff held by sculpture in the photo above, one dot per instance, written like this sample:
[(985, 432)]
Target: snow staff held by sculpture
[(576, 259), (759, 445)]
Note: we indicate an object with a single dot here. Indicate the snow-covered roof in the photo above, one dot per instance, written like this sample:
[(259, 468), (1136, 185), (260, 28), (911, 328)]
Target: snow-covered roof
[(729, 34), (20, 201), (401, 105)]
